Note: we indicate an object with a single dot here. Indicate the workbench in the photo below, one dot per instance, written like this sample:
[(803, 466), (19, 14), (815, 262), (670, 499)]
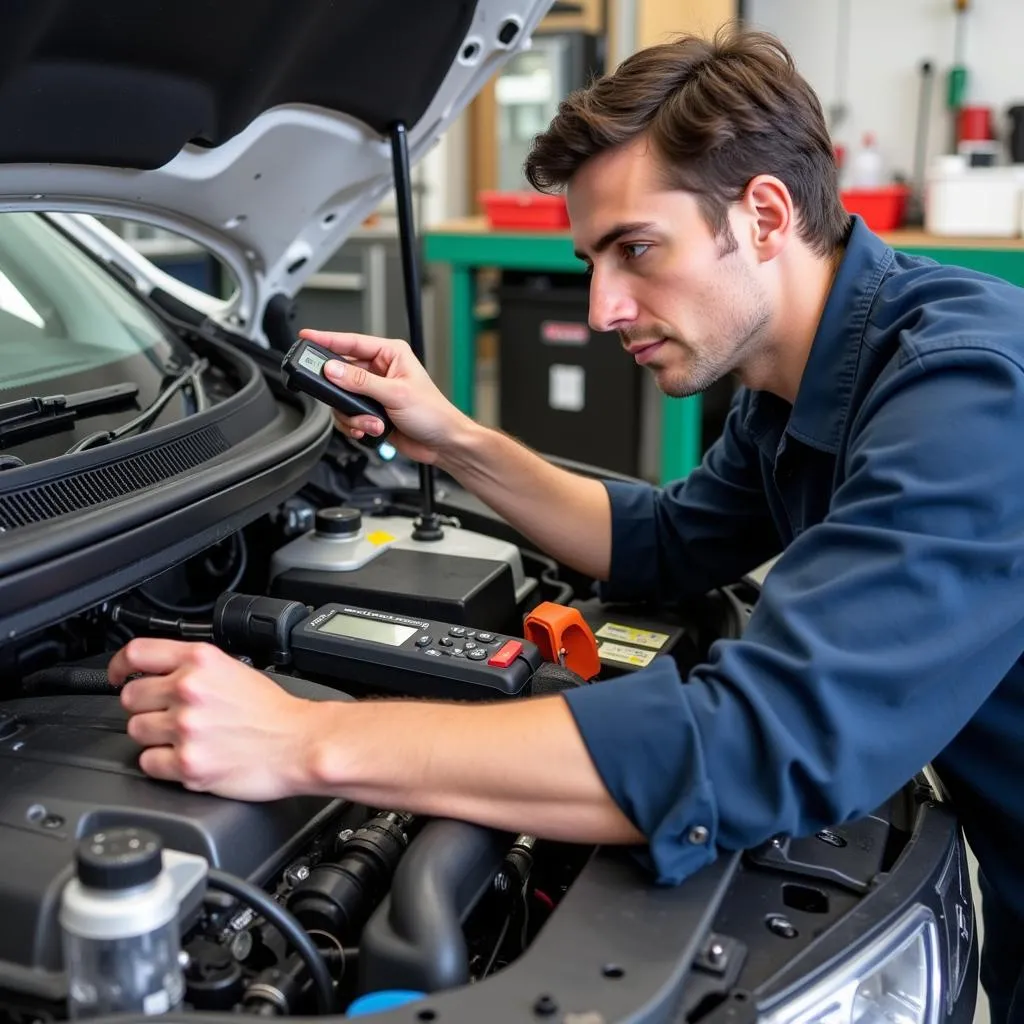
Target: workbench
[(468, 245)]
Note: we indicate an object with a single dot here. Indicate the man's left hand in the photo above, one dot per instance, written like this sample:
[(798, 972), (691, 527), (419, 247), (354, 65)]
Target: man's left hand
[(212, 723)]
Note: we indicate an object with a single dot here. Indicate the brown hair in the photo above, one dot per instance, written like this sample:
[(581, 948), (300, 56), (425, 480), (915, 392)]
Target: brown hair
[(718, 112)]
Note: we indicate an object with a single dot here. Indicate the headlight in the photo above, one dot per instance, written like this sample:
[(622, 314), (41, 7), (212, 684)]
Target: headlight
[(894, 980)]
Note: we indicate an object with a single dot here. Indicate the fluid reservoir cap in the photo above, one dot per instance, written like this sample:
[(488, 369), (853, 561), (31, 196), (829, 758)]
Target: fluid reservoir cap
[(119, 858), (339, 522)]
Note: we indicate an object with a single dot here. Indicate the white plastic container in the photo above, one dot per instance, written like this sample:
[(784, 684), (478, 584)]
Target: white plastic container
[(867, 169), (980, 201)]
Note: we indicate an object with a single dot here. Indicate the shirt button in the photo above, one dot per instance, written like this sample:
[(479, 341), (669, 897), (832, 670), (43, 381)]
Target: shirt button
[(698, 835)]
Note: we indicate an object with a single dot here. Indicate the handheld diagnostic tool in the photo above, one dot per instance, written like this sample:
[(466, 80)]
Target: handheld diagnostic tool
[(303, 370), (412, 656)]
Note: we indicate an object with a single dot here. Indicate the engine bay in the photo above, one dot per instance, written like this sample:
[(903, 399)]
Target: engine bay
[(394, 902)]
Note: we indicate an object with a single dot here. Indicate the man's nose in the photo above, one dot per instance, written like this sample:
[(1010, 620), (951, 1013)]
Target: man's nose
[(612, 308)]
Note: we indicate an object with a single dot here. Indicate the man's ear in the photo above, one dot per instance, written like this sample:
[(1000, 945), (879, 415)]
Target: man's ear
[(770, 214)]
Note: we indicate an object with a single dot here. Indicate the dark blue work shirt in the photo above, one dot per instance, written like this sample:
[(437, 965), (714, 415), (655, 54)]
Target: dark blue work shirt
[(890, 632)]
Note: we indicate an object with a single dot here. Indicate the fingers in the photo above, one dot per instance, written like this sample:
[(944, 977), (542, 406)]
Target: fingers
[(161, 763), (356, 426), (151, 693), (154, 729), (151, 656), (354, 377), (363, 347)]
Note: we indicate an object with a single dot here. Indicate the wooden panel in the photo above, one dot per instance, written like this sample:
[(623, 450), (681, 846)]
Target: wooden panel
[(658, 21), (589, 17), (614, 35), (482, 146)]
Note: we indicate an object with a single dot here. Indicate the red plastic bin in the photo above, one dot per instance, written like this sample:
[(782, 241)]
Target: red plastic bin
[(525, 210), (882, 209)]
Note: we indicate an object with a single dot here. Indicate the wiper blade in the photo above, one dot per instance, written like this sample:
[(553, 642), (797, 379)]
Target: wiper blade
[(38, 416), (190, 375)]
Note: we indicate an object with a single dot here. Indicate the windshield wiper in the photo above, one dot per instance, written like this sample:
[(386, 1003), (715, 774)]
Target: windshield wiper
[(190, 375), (28, 418)]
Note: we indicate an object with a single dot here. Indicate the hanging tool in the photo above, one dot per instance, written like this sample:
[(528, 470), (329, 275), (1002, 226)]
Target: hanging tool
[(956, 80), (839, 108), (915, 205)]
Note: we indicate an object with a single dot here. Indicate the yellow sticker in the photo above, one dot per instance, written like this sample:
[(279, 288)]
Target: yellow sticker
[(627, 655), (632, 635), (379, 537)]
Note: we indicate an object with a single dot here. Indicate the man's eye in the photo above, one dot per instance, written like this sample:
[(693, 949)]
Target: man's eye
[(634, 250)]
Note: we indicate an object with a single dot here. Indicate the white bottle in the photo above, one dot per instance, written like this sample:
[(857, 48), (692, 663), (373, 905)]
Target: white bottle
[(866, 170), (119, 923)]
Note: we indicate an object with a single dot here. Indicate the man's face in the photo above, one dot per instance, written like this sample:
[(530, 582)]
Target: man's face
[(684, 306)]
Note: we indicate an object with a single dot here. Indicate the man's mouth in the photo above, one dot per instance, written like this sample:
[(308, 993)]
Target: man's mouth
[(642, 351)]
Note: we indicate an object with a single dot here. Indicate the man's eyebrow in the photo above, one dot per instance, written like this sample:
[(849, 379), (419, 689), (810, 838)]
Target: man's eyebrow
[(614, 235)]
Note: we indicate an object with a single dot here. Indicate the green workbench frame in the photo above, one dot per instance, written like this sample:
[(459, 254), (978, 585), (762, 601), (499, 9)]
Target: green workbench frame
[(466, 251)]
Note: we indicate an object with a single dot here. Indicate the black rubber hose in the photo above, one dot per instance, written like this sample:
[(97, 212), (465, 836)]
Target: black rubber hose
[(286, 925), (415, 939), (67, 679)]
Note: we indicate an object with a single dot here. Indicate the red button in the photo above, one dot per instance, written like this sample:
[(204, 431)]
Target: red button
[(506, 654)]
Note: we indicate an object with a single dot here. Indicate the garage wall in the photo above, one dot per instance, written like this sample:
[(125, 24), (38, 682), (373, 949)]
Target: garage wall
[(887, 41)]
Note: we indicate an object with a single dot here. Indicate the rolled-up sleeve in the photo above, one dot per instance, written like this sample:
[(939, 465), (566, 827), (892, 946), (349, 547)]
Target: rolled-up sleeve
[(682, 540), (878, 634)]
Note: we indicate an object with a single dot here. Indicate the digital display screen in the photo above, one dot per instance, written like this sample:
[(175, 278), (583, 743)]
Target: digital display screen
[(311, 361), (390, 633)]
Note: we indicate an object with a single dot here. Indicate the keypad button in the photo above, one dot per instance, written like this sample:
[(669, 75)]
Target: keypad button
[(478, 654), (471, 633), (470, 645), (446, 641), (485, 638), (457, 631), (506, 654), (423, 641)]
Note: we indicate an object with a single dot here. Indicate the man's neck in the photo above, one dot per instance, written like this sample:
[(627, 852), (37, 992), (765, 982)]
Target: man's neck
[(806, 281)]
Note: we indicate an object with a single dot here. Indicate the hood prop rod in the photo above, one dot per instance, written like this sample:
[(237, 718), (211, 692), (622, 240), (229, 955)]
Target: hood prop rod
[(428, 526)]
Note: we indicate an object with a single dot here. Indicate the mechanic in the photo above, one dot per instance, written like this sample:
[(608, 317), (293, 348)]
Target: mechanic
[(877, 441)]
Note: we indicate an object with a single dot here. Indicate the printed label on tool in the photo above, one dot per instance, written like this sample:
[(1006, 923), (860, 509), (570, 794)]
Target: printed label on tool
[(379, 537), (626, 655), (632, 635)]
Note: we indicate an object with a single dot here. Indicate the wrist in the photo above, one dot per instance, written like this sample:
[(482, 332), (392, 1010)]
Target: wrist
[(319, 766), (463, 446)]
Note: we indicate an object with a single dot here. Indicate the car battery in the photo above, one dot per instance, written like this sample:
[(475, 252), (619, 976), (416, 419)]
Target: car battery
[(464, 577), (630, 638)]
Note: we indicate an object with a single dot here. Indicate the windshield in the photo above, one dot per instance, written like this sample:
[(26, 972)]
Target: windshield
[(61, 314)]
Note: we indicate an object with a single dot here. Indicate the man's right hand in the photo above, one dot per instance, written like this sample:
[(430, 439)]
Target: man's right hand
[(386, 369), (567, 516)]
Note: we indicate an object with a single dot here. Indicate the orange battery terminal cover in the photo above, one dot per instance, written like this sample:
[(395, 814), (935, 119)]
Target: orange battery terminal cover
[(562, 635)]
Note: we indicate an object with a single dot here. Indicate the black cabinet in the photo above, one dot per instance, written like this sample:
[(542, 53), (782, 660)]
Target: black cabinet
[(564, 389)]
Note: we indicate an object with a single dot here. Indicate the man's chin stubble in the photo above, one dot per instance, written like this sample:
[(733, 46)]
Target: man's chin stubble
[(679, 385)]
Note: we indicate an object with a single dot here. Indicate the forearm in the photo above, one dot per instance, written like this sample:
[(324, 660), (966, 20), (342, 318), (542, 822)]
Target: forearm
[(566, 515), (520, 767)]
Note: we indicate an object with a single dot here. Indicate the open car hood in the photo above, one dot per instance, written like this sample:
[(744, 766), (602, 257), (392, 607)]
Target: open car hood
[(256, 127)]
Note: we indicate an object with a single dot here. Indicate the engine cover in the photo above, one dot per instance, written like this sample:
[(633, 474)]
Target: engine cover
[(68, 768)]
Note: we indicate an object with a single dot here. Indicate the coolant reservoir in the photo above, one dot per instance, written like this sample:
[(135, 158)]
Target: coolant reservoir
[(341, 542)]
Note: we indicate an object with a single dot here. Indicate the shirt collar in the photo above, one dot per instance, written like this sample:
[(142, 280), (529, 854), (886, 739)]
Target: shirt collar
[(818, 417)]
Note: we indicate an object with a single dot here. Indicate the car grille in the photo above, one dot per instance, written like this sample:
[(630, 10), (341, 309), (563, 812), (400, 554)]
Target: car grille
[(106, 483)]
